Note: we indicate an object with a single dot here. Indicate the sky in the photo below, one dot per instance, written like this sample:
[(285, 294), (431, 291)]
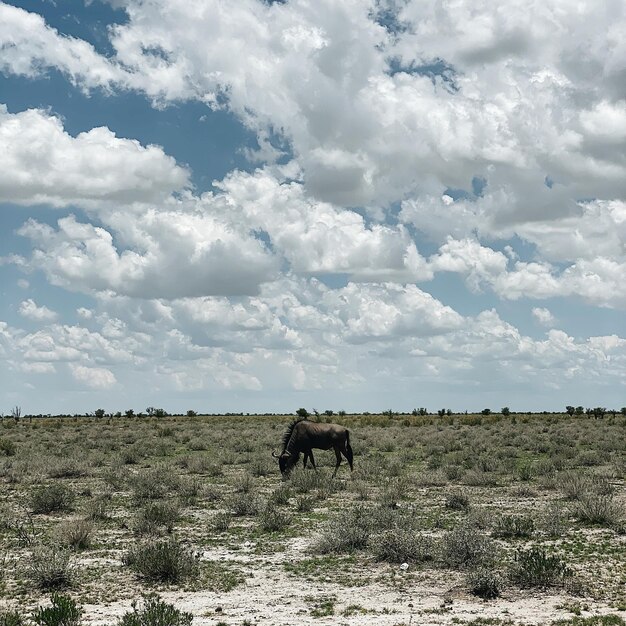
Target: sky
[(363, 205)]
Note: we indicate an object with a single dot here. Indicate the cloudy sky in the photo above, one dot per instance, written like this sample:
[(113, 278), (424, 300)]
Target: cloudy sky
[(359, 205)]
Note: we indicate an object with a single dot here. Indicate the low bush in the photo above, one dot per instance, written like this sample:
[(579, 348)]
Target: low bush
[(75, 534), (272, 519), (304, 503), (281, 495), (162, 561), (513, 526), (402, 545), (51, 498), (466, 546), (63, 612), (553, 520), (485, 583), (345, 532), (242, 504), (51, 568), (597, 508), (7, 447), (220, 522), (156, 515), (457, 501), (151, 485), (304, 481), (155, 612), (98, 508), (11, 618), (534, 567), (69, 467)]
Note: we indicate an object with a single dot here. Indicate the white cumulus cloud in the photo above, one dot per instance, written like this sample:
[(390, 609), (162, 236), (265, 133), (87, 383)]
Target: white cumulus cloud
[(29, 309)]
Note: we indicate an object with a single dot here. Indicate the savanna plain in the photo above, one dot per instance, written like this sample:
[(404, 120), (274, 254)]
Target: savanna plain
[(454, 519)]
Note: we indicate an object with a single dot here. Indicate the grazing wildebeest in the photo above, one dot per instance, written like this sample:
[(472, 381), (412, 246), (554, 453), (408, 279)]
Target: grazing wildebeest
[(302, 436)]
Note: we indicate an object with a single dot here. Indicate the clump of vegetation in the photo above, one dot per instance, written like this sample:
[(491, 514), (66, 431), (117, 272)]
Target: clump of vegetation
[(242, 504), (466, 546), (11, 618), (553, 520), (534, 567), (304, 504), (484, 582), (98, 508), (345, 532), (156, 515), (304, 481), (51, 498), (272, 519), (155, 612), (51, 568), (515, 526), (76, 534), (403, 545), (151, 485), (281, 495), (63, 612), (576, 484), (165, 561), (221, 521), (597, 508), (7, 447), (457, 501)]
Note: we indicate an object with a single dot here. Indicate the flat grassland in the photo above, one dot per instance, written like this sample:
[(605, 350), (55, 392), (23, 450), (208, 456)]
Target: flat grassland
[(445, 520)]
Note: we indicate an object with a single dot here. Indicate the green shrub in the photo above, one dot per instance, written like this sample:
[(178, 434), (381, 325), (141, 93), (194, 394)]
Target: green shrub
[(273, 519), (281, 495), (155, 612), (596, 508), (513, 526), (76, 534), (457, 501), (7, 447), (151, 485), (534, 567), (98, 508), (67, 467), (465, 546), (401, 545), (304, 481), (156, 515), (63, 612), (50, 568), (162, 561), (304, 504), (11, 618), (51, 498), (346, 532), (221, 521), (484, 583), (242, 504), (553, 520)]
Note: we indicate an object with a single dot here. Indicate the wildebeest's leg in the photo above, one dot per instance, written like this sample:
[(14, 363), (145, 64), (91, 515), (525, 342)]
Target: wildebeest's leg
[(348, 453), (312, 459), (306, 456), (338, 455)]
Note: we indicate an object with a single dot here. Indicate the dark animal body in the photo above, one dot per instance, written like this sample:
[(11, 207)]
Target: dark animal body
[(302, 436)]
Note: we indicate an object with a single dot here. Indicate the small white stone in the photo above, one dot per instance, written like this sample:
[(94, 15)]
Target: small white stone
[(404, 567)]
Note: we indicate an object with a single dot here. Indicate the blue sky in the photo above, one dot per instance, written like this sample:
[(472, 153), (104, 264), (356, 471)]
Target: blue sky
[(267, 206)]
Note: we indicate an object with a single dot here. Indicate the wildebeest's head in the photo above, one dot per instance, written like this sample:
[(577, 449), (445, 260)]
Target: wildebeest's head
[(286, 461)]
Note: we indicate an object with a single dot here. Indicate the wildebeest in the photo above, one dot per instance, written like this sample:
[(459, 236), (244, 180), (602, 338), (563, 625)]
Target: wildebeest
[(302, 436)]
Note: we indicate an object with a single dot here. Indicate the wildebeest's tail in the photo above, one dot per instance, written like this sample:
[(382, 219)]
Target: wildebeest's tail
[(349, 455)]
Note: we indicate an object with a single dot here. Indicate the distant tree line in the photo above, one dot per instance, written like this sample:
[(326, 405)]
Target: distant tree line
[(154, 412)]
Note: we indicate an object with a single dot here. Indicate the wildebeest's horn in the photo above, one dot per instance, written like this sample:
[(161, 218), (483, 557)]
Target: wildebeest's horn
[(275, 455)]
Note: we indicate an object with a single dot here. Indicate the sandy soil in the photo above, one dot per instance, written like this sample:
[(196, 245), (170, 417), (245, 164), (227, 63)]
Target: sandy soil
[(272, 596)]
